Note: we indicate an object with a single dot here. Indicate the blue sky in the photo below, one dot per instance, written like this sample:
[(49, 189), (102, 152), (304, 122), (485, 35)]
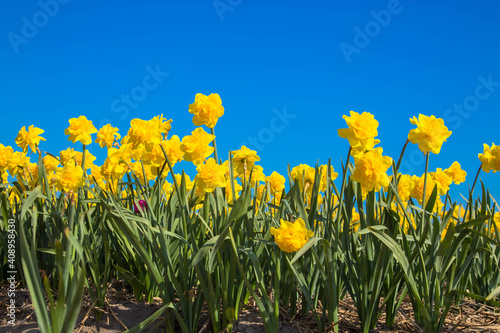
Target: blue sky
[(286, 72)]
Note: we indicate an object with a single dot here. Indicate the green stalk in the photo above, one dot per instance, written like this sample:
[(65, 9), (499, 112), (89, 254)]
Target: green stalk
[(215, 147)]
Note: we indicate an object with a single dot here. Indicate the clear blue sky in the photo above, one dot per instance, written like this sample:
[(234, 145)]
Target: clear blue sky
[(286, 72)]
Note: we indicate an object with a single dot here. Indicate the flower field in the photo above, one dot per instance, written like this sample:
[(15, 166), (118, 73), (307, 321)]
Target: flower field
[(301, 239)]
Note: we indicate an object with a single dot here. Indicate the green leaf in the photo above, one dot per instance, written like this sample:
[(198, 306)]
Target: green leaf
[(311, 242)]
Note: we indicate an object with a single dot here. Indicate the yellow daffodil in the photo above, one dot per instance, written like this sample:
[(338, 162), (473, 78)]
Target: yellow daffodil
[(4, 176), (5, 156), (173, 149), (71, 154), (430, 133), (210, 175), (143, 175), (206, 109), (29, 138), (417, 191), (107, 135), (161, 124), (276, 182), (495, 161), (291, 237), (456, 173), (80, 129), (442, 180), (333, 175), (51, 163), (115, 165), (405, 185), (143, 133), (70, 177), (486, 158), (95, 176), (16, 164), (244, 159), (196, 147), (229, 190), (370, 169), (361, 132), (305, 175)]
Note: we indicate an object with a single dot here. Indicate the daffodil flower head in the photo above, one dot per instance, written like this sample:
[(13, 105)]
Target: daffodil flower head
[(206, 109), (80, 129), (361, 132), (244, 159), (430, 133), (210, 176), (370, 169), (106, 136), (291, 237), (29, 138), (196, 147)]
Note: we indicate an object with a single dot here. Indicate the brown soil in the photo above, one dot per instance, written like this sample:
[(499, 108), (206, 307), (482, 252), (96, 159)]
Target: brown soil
[(125, 312)]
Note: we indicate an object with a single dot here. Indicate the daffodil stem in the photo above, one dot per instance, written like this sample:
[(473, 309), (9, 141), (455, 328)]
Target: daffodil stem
[(425, 184), (401, 156), (83, 161), (276, 291), (215, 147), (475, 179)]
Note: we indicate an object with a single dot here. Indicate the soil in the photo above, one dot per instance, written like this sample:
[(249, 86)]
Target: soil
[(124, 312)]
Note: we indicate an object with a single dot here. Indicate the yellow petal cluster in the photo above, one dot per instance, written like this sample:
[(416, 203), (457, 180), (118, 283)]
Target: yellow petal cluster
[(5, 156), (71, 154), (490, 158), (361, 132), (29, 138), (305, 175), (173, 149), (196, 147), (333, 175), (244, 159), (115, 165), (276, 182), (370, 169), (70, 177), (418, 188), (106, 136), (142, 134), (442, 180), (80, 130), (430, 133), (206, 109), (229, 190), (16, 164), (51, 163), (456, 173), (291, 237), (405, 186), (210, 175), (143, 174)]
